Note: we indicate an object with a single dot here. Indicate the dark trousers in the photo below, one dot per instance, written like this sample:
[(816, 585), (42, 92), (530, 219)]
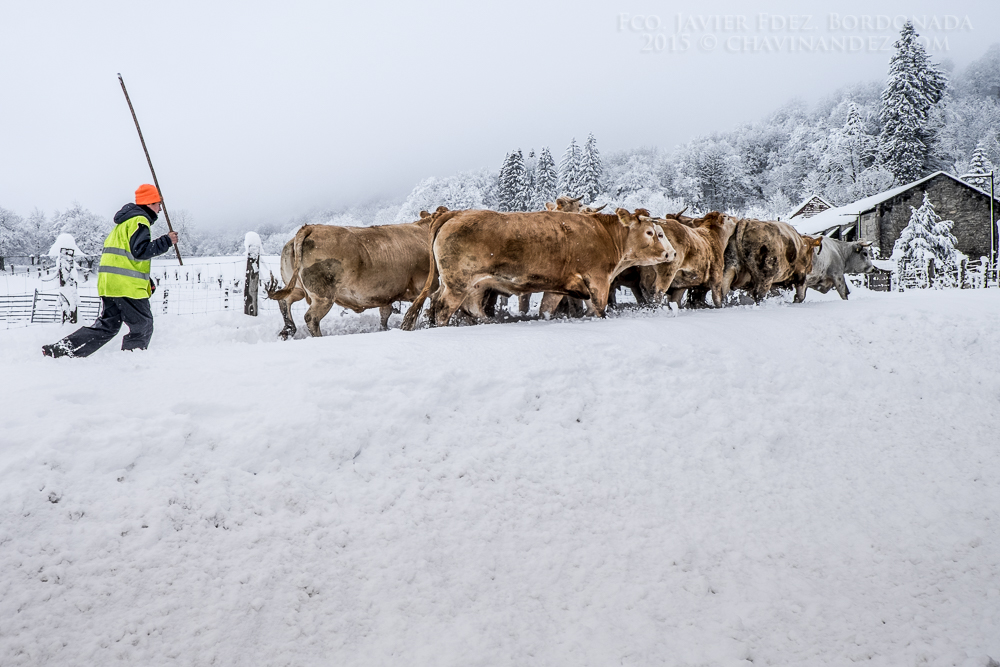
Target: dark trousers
[(114, 310)]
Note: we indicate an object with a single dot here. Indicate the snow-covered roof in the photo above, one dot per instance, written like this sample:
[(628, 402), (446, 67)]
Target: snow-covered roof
[(843, 215), (798, 209)]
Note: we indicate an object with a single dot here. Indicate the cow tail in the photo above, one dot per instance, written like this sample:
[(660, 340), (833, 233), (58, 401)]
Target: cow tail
[(296, 263), (437, 221)]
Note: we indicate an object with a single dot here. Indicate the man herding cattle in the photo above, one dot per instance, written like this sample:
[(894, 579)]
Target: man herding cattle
[(123, 281)]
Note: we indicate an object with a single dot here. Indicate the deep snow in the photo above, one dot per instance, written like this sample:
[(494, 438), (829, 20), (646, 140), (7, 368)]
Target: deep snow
[(816, 484)]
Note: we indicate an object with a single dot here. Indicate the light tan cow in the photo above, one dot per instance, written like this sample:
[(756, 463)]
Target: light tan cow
[(700, 259), (353, 267), (520, 253)]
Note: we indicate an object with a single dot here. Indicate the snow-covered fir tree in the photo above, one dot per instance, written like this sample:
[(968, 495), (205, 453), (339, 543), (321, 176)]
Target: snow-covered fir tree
[(569, 170), (914, 88), (513, 185), (845, 159), (591, 171), (546, 180), (853, 148), (925, 241), (505, 197), (980, 163)]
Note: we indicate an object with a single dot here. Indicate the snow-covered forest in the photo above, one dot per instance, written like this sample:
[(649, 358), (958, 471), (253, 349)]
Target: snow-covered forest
[(858, 141)]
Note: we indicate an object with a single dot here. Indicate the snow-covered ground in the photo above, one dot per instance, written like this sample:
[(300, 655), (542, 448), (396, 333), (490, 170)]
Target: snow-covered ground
[(816, 484)]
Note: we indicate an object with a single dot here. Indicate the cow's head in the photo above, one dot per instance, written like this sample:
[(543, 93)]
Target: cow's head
[(721, 224), (812, 248), (568, 204), (681, 218), (646, 243), (859, 258)]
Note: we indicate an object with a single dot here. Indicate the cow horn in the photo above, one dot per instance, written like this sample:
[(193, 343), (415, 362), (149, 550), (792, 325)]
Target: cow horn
[(681, 212), (574, 198), (864, 244)]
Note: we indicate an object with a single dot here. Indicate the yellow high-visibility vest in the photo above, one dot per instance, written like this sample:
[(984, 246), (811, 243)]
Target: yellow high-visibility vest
[(119, 273)]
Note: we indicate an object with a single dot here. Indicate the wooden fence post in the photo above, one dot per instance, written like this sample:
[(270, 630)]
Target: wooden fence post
[(166, 296), (68, 298), (251, 286), (34, 301)]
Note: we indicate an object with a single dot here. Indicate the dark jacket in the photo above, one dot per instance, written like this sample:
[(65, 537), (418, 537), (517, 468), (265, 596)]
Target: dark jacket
[(141, 244)]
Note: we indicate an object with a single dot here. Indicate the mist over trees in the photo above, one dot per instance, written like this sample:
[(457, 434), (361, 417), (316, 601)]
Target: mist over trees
[(860, 140)]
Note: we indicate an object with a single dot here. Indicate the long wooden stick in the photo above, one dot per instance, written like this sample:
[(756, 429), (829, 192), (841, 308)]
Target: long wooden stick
[(151, 170)]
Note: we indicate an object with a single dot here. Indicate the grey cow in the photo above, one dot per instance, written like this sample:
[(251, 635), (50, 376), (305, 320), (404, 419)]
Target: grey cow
[(833, 260)]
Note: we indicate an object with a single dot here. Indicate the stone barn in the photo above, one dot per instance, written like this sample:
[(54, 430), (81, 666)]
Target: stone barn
[(880, 218)]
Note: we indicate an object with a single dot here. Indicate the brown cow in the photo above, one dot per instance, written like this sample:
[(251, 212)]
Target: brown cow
[(765, 254), (700, 262), (353, 267), (520, 253)]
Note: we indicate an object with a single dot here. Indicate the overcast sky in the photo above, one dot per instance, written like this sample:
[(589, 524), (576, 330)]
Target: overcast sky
[(256, 112)]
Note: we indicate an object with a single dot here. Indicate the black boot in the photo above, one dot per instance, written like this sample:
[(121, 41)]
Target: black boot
[(59, 349)]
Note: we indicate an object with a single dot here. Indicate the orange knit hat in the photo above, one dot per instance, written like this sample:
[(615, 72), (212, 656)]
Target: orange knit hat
[(147, 194)]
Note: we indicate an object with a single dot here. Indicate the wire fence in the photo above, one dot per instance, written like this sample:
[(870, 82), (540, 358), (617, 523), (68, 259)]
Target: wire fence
[(31, 294)]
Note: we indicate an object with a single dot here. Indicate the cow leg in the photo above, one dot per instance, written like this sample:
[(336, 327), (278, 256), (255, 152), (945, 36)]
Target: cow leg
[(613, 298), (675, 296), (286, 314), (447, 305), (317, 311), (524, 304), (489, 303), (550, 302), (599, 299), (760, 290), (800, 293), (664, 279), (385, 312), (717, 296), (842, 290), (576, 307)]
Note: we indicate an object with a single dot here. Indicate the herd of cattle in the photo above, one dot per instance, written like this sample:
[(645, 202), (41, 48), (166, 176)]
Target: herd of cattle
[(576, 256)]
